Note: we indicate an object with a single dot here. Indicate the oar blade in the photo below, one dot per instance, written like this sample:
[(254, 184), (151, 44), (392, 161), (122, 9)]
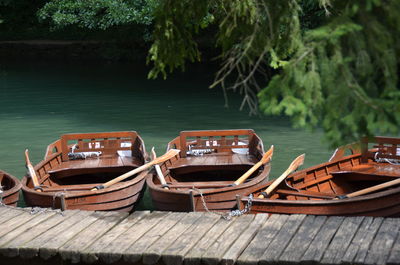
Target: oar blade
[(268, 155), (297, 162), (168, 155)]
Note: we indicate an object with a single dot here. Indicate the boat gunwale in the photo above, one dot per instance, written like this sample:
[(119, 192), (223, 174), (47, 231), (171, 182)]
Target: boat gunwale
[(15, 188)]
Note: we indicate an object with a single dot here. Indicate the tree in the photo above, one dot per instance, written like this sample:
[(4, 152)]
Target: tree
[(100, 14), (339, 72), (325, 63)]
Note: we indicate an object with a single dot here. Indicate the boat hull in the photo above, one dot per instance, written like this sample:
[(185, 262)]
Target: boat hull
[(69, 183), (379, 204), (218, 199), (120, 198), (12, 186), (201, 178)]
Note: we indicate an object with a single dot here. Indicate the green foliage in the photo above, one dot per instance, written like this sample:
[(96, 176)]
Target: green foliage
[(98, 14), (337, 61)]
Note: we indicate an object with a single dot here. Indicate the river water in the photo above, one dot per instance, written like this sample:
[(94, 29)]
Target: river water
[(40, 101)]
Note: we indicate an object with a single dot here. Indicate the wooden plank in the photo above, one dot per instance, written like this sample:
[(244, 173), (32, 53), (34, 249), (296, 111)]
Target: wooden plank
[(25, 228), (243, 241), (175, 253), (152, 254), (380, 248), (359, 246), (71, 249), (50, 248), (261, 241), (121, 245), (281, 240), (193, 257), (302, 239), (11, 243), (89, 254), (8, 213), (338, 246), (394, 256), (15, 222), (31, 249), (322, 239), (214, 254)]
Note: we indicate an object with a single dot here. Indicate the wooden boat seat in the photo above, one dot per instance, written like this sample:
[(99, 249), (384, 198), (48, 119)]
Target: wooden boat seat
[(97, 163), (376, 169), (217, 159)]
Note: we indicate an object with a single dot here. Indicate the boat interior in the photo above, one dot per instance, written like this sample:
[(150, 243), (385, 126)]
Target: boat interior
[(219, 157), (6, 182), (86, 160), (376, 163)]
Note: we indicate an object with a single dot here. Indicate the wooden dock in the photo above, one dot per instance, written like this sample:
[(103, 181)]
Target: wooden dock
[(38, 236)]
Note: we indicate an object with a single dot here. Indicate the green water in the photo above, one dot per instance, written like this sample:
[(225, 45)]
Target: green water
[(41, 101)]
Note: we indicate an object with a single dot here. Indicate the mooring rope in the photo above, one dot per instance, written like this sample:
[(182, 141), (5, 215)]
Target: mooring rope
[(227, 216), (391, 161)]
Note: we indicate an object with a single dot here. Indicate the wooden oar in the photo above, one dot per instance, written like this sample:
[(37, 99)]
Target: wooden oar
[(371, 189), (159, 172), (170, 154), (32, 172), (266, 157), (293, 166)]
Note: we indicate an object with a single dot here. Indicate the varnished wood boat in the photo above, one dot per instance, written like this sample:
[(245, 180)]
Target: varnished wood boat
[(202, 175), (9, 190), (66, 177), (330, 188)]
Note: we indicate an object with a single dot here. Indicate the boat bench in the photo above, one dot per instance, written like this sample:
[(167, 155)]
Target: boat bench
[(383, 170), (217, 159), (96, 164)]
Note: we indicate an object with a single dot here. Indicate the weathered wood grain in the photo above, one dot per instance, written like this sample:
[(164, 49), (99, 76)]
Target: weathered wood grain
[(359, 246), (281, 240), (261, 241), (71, 249), (193, 257), (244, 239), (7, 213), (175, 253), (217, 250), (11, 243), (50, 248), (15, 222), (194, 238), (31, 248), (121, 245), (394, 257), (89, 254), (24, 228), (321, 241), (380, 248), (302, 239), (152, 254), (338, 246)]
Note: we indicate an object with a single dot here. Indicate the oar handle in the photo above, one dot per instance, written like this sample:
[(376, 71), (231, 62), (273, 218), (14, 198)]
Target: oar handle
[(266, 158), (248, 173), (32, 172), (371, 189), (170, 154)]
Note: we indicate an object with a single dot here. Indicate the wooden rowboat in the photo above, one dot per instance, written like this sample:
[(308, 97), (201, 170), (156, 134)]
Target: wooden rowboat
[(364, 183), (76, 163), (201, 177), (10, 187)]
